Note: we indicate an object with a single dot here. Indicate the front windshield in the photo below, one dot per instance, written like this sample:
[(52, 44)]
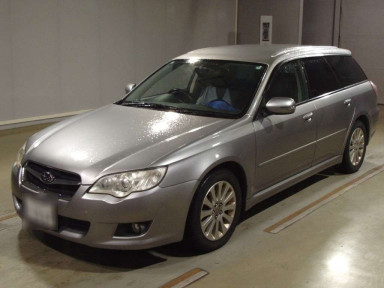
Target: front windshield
[(202, 87)]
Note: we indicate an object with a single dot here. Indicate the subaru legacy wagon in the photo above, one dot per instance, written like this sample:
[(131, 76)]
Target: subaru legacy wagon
[(204, 138)]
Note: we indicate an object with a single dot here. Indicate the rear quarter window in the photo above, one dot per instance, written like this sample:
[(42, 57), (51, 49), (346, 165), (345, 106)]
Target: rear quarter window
[(321, 77), (346, 69)]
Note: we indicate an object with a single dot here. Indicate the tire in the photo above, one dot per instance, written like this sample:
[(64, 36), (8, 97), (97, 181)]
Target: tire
[(214, 220), (355, 148)]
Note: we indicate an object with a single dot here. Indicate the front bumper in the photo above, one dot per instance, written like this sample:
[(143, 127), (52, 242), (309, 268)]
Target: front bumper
[(165, 208)]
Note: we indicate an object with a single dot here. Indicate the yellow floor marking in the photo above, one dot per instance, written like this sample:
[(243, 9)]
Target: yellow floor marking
[(8, 216), (186, 279)]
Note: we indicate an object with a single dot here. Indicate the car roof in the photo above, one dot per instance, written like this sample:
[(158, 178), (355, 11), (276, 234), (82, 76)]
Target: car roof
[(266, 54)]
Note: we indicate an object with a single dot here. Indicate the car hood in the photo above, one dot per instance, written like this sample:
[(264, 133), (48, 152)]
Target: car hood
[(117, 138)]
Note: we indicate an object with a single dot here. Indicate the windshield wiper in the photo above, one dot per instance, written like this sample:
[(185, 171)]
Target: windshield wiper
[(147, 105), (158, 106), (209, 113)]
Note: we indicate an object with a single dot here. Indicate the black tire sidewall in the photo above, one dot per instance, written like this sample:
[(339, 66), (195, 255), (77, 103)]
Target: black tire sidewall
[(194, 234), (346, 165)]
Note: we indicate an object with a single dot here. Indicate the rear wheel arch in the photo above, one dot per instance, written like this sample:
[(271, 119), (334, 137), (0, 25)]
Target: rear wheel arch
[(355, 148), (364, 119)]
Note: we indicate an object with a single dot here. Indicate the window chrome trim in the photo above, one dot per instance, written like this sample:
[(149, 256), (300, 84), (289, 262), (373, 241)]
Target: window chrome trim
[(333, 92), (298, 58)]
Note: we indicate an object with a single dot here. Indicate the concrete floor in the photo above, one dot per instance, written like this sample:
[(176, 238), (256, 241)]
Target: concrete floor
[(338, 245)]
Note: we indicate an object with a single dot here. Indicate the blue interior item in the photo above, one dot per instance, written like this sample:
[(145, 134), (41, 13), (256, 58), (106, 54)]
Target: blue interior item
[(221, 105)]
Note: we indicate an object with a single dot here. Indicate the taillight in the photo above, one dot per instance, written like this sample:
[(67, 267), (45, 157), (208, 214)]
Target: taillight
[(375, 89)]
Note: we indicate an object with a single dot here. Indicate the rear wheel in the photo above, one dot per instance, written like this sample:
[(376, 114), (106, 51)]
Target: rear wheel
[(355, 148), (214, 212)]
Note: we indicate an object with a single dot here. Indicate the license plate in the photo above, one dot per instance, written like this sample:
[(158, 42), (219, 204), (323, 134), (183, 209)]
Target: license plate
[(41, 210)]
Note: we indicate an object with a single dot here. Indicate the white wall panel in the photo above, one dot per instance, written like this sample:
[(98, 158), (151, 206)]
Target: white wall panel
[(6, 104), (179, 26), (35, 74), (79, 55), (204, 23), (225, 22), (117, 48), (150, 35), (60, 56)]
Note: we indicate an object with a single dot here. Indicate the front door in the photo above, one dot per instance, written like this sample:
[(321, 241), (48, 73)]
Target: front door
[(285, 144)]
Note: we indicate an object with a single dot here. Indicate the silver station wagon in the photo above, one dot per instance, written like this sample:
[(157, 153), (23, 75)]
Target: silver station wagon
[(204, 138)]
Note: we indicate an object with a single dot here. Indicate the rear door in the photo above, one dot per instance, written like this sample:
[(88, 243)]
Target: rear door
[(334, 104), (285, 144)]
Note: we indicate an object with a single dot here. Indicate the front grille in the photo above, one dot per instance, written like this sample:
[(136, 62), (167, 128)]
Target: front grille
[(65, 184)]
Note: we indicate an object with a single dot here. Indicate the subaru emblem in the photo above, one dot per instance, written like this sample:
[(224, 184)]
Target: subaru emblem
[(47, 177)]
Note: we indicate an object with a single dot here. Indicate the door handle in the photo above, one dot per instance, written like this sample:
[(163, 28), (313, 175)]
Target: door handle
[(347, 102), (308, 117)]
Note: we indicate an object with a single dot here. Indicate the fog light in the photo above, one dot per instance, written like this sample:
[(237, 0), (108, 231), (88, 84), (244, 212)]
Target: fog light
[(138, 228), (132, 229)]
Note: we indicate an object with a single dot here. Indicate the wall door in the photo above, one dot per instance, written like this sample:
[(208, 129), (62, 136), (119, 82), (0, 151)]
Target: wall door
[(361, 31)]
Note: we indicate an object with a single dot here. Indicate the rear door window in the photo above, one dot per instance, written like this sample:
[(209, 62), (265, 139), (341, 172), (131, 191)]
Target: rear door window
[(321, 78), (346, 69)]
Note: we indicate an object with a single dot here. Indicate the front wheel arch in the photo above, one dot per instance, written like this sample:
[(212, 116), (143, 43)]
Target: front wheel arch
[(192, 233), (238, 171)]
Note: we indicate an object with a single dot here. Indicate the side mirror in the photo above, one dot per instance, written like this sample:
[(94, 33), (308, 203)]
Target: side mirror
[(129, 87), (281, 105)]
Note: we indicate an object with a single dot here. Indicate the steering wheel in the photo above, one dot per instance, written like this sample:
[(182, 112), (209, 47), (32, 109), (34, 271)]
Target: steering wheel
[(187, 98)]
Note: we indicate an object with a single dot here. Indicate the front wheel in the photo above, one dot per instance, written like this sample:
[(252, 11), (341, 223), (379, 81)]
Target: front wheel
[(214, 212), (355, 148)]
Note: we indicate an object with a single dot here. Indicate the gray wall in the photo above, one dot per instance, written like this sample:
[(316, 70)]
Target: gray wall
[(318, 22), (362, 31), (286, 15), (66, 55), (361, 26)]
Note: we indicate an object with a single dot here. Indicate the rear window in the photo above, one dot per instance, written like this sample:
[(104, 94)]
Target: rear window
[(321, 78), (346, 69)]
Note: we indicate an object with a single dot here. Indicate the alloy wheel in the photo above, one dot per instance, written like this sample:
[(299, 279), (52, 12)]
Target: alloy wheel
[(218, 210), (356, 146)]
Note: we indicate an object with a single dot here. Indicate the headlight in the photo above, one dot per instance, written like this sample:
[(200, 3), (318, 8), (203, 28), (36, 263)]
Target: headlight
[(20, 155), (122, 184)]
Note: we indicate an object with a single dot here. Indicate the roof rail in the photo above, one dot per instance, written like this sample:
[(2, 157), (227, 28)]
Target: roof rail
[(321, 49)]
